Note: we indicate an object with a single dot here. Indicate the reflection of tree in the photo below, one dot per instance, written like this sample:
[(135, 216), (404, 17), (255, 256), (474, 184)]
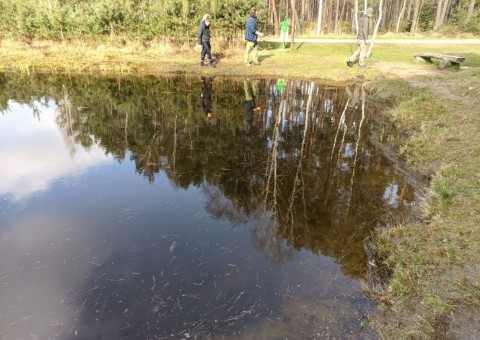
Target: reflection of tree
[(298, 172)]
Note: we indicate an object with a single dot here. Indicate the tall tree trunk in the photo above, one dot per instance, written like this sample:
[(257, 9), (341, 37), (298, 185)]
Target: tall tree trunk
[(302, 12), (376, 29), (342, 12), (409, 11), (400, 16), (319, 18), (440, 14), (416, 16), (356, 16), (470, 11), (337, 5), (275, 17), (294, 18)]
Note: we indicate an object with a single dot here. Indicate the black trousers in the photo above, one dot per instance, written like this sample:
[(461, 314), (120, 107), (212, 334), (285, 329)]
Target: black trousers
[(206, 50)]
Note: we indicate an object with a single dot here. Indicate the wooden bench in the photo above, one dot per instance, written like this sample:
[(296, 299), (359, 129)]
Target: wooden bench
[(445, 60)]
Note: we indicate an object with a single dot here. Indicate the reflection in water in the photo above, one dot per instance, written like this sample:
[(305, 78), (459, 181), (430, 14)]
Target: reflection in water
[(240, 225), (206, 96), (28, 166)]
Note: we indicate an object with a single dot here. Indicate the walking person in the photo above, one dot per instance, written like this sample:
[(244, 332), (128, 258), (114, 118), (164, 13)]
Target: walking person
[(203, 38), (251, 35), (284, 32), (362, 35)]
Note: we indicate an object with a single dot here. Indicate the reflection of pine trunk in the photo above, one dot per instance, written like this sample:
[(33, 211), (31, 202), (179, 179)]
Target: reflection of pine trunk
[(174, 144), (342, 119), (126, 130), (272, 160), (300, 162), (334, 170), (356, 155), (68, 112), (68, 133)]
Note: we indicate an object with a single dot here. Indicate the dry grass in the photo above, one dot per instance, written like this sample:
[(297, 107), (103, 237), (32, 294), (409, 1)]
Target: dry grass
[(435, 265)]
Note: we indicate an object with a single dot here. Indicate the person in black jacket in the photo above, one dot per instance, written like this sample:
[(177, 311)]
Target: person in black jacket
[(206, 96), (362, 35), (204, 40)]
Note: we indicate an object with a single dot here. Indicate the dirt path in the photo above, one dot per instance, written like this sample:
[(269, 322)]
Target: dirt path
[(437, 83)]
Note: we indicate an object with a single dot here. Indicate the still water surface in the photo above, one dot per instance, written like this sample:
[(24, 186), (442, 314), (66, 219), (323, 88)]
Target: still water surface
[(127, 213)]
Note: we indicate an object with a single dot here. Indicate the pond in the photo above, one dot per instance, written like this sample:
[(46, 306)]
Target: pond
[(188, 207)]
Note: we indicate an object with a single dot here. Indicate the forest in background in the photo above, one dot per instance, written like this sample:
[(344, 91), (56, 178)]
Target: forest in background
[(176, 21)]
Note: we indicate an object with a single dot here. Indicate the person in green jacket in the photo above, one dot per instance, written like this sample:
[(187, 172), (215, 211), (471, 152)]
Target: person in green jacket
[(362, 35), (284, 34)]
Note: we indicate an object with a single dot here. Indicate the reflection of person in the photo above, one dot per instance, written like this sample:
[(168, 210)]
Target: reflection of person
[(281, 85), (203, 38), (362, 35), (284, 32), (251, 93), (251, 35), (355, 95), (206, 96)]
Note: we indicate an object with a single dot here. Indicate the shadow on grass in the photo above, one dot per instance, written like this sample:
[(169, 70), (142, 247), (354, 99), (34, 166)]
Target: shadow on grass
[(269, 45), (262, 57)]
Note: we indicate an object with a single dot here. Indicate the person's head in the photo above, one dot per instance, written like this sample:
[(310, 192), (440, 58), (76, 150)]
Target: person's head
[(207, 19), (253, 12), (369, 11)]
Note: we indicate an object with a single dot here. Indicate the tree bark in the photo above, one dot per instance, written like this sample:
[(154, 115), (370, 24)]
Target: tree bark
[(376, 29), (319, 19), (440, 13), (275, 17), (470, 11), (400, 16), (416, 16), (337, 5), (294, 18), (356, 16)]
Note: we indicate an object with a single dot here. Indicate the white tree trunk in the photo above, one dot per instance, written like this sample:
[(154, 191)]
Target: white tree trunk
[(319, 20), (400, 17), (356, 16), (376, 29)]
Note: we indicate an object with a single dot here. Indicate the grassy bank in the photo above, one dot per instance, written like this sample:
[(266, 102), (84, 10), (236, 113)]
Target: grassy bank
[(435, 288), (434, 291), (322, 61)]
